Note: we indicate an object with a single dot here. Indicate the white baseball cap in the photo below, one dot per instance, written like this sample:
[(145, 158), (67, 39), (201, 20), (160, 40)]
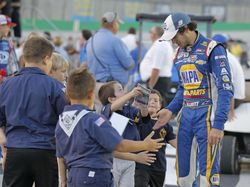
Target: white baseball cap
[(172, 24)]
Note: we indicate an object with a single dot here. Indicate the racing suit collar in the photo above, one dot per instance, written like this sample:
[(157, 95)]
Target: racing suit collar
[(189, 48)]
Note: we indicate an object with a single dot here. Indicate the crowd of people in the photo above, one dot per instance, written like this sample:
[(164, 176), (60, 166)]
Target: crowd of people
[(55, 106)]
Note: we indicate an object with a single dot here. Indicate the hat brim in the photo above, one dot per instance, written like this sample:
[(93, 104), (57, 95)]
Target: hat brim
[(11, 24), (167, 35)]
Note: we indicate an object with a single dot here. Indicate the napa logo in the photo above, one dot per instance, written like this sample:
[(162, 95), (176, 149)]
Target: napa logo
[(190, 76)]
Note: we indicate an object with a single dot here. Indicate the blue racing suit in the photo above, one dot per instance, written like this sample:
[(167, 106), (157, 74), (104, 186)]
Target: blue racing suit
[(200, 66)]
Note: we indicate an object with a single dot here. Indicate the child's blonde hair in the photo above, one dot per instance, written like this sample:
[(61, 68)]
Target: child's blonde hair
[(58, 62)]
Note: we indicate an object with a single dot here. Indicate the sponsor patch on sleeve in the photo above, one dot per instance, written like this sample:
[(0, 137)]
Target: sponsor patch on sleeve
[(225, 78), (227, 86), (220, 57), (224, 71), (222, 64)]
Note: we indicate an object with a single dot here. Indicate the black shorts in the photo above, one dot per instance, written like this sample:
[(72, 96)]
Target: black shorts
[(23, 167)]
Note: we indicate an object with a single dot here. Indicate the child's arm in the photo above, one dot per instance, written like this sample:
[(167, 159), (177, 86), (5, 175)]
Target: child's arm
[(4, 153), (173, 143), (142, 157), (148, 144), (62, 172), (2, 142), (2, 136), (118, 103)]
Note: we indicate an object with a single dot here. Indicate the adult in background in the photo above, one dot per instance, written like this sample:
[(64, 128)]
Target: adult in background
[(86, 34), (15, 16), (238, 78), (5, 7), (134, 72), (156, 66), (200, 71), (107, 56), (130, 39), (58, 41)]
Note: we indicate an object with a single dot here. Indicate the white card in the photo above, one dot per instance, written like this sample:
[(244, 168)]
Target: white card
[(119, 122)]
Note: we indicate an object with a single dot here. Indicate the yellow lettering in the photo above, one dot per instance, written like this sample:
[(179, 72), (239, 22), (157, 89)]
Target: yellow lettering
[(195, 92)]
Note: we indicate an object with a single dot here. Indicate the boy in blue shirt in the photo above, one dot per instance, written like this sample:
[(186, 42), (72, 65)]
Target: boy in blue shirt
[(114, 99), (30, 103), (59, 69), (154, 175), (85, 140), (8, 60)]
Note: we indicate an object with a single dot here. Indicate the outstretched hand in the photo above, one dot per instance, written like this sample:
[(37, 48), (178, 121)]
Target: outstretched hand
[(163, 116), (153, 144), (145, 158), (136, 91)]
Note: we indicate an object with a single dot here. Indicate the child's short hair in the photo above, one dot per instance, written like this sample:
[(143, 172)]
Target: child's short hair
[(36, 49), (153, 91), (107, 90), (80, 82), (58, 62)]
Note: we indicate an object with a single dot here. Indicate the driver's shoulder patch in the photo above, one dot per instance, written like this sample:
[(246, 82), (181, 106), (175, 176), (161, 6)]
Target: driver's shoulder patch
[(211, 45)]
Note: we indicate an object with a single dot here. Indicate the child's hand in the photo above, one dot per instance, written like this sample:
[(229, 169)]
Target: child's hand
[(145, 158), (153, 144), (136, 91), (63, 184)]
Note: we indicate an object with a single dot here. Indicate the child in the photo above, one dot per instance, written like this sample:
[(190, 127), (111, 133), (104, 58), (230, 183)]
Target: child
[(59, 68), (8, 60), (2, 142), (113, 99), (154, 175), (85, 140), (30, 103)]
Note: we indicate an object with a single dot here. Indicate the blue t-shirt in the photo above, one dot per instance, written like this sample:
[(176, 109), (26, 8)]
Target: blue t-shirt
[(165, 132), (135, 56), (130, 132), (83, 54), (30, 103), (87, 141)]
